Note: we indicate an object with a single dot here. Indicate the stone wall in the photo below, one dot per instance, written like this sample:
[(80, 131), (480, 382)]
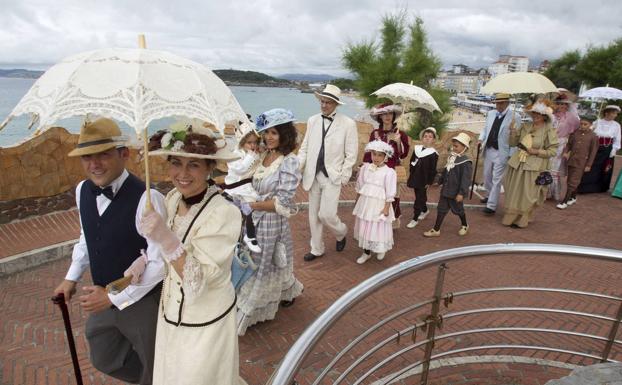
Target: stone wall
[(40, 166)]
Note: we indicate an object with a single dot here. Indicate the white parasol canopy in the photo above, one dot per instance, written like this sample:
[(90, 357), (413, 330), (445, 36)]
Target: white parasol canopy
[(135, 86), (602, 93), (409, 96), (520, 83)]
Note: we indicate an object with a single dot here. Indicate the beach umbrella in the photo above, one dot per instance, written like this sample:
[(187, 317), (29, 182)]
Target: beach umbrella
[(520, 83), (135, 86), (602, 93), (409, 96)]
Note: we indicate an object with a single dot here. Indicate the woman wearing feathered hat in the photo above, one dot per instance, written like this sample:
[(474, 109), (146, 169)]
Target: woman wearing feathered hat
[(537, 143), (386, 114), (275, 180), (608, 132), (196, 339)]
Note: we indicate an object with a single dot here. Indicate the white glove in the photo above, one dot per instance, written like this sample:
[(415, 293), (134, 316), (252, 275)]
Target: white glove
[(137, 268)]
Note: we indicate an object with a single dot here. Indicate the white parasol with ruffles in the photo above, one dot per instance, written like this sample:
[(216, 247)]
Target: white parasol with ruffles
[(135, 86)]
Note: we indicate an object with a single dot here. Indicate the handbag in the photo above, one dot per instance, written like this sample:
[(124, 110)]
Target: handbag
[(544, 179), (279, 255), (242, 267)]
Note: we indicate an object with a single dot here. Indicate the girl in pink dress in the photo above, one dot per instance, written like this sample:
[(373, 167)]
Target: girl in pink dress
[(376, 187)]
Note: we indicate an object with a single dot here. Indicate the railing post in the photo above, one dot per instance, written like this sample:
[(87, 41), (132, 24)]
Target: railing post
[(612, 335), (433, 321)]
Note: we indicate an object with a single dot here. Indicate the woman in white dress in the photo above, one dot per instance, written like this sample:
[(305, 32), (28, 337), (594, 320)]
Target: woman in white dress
[(196, 340)]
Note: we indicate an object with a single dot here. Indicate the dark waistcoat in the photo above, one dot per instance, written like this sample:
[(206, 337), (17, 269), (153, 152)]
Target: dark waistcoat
[(112, 240)]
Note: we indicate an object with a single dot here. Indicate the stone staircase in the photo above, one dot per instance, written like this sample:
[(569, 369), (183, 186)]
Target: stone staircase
[(609, 373)]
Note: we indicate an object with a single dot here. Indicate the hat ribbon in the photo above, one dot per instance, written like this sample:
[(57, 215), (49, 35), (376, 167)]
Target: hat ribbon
[(328, 94), (94, 143)]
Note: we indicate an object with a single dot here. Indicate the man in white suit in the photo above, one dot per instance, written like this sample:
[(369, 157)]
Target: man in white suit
[(496, 148), (327, 155)]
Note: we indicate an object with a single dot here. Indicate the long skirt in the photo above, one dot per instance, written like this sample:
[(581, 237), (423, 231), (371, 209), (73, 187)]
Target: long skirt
[(558, 172), (617, 190), (259, 297), (597, 180), (522, 196)]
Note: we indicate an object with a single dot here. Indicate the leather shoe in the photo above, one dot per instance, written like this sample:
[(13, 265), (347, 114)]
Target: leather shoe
[(484, 200), (341, 244), (310, 257), (488, 211)]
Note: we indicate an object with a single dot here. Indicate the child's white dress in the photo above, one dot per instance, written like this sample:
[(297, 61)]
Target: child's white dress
[(376, 186), (241, 169)]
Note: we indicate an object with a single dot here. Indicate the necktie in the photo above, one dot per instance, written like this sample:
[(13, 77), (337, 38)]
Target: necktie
[(107, 191), (320, 165)]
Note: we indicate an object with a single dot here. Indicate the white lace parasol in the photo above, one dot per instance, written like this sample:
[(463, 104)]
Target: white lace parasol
[(409, 95), (135, 86)]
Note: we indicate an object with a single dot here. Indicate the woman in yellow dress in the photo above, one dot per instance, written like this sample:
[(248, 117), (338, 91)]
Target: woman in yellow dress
[(537, 142)]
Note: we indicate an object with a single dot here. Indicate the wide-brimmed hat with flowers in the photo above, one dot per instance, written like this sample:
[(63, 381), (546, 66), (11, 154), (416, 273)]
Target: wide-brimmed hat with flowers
[(98, 136), (385, 108), (190, 140), (380, 146), (272, 118), (331, 92), (542, 108)]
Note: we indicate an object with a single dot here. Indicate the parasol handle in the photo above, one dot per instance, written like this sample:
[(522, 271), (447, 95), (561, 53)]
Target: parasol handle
[(142, 43), (147, 176)]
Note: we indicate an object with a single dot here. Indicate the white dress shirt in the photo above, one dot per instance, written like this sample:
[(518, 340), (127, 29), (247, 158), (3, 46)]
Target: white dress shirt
[(154, 271), (609, 129)]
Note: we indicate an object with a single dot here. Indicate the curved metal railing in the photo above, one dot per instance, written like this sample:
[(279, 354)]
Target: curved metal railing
[(291, 363)]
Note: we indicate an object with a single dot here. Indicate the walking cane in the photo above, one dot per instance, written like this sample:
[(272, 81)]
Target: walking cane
[(60, 301), (475, 170)]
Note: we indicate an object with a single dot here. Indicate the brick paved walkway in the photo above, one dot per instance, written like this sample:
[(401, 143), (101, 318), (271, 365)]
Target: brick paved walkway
[(33, 348)]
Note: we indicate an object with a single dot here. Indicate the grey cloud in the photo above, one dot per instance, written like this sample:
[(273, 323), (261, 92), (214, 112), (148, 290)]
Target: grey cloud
[(277, 36)]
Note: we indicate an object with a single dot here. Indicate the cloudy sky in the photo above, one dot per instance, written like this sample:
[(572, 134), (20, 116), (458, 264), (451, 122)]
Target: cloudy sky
[(285, 36)]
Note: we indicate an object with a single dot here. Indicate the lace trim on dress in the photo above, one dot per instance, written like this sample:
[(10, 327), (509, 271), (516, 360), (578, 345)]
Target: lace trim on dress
[(263, 171), (193, 281), (284, 210)]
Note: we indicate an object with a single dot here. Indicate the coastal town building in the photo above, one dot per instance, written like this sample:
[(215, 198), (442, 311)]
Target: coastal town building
[(461, 79), (507, 64)]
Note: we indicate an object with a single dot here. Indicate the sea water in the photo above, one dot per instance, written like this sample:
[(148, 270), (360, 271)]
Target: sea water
[(254, 101)]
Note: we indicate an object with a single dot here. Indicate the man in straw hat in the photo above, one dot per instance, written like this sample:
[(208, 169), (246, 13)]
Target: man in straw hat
[(327, 155), (121, 327), (495, 140)]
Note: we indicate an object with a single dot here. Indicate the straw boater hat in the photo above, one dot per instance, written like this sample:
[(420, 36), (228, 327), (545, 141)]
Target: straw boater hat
[(463, 138), (98, 136), (429, 129), (380, 146), (331, 92), (272, 118), (501, 97), (541, 108), (190, 141)]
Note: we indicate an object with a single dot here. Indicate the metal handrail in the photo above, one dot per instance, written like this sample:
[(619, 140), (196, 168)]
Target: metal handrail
[(409, 329), (309, 338), (476, 331), (488, 347)]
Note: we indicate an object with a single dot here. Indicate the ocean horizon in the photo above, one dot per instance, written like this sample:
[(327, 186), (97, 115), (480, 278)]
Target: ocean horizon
[(254, 100)]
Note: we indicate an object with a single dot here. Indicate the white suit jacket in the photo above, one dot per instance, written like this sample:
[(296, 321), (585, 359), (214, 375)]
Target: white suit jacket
[(340, 149), (504, 131)]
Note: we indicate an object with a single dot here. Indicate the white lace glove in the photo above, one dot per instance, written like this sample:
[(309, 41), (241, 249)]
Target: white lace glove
[(137, 268), (152, 226)]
